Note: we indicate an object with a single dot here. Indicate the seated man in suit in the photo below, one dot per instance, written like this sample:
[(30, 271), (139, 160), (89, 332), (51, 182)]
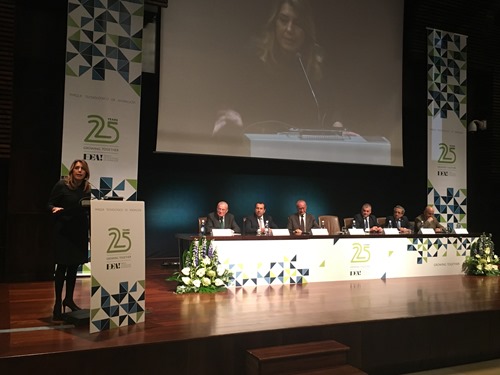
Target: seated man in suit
[(398, 220), (428, 220), (301, 222), (222, 219), (256, 223), (367, 220)]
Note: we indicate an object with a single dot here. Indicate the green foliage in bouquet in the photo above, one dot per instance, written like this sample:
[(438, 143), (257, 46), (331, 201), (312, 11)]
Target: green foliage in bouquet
[(201, 271), (482, 260)]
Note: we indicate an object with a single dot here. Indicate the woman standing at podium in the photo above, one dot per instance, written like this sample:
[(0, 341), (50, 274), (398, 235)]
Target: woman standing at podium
[(71, 230)]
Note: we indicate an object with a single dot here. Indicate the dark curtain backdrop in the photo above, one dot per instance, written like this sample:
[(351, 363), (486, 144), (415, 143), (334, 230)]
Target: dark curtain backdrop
[(179, 188)]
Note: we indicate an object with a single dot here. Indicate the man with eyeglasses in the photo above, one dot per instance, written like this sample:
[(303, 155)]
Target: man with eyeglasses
[(399, 220)]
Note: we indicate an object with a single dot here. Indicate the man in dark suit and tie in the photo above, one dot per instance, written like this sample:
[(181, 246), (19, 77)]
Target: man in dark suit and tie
[(301, 222), (399, 220), (256, 223), (367, 220), (222, 219)]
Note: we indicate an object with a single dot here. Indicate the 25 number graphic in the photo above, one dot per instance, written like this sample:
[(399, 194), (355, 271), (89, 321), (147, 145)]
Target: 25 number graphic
[(447, 153), (102, 131), (120, 240), (361, 253)]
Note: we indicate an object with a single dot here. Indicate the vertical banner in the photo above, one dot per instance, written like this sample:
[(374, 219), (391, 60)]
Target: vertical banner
[(447, 126), (102, 93), (118, 264)]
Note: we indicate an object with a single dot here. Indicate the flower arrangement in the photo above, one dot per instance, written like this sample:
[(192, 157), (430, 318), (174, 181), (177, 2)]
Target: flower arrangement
[(482, 259), (201, 271)]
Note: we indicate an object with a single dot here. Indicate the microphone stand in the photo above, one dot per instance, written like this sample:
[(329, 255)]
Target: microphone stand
[(299, 57)]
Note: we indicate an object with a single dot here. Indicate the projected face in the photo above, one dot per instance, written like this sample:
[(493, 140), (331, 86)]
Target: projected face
[(289, 33)]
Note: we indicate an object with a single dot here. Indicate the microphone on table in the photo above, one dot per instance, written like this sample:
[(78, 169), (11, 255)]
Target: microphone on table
[(299, 57)]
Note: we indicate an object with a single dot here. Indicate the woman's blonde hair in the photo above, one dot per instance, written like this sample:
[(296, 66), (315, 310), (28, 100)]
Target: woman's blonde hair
[(310, 51), (69, 179)]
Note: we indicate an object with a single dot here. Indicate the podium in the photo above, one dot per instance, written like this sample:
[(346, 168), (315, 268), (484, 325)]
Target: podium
[(294, 146), (118, 274)]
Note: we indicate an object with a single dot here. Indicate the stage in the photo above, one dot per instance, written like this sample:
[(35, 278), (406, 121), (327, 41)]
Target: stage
[(391, 326)]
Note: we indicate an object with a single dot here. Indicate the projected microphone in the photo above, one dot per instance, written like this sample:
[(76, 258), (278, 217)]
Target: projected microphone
[(299, 57)]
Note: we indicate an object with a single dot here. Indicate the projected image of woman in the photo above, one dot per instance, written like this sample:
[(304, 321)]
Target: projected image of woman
[(290, 33), (237, 76), (283, 89)]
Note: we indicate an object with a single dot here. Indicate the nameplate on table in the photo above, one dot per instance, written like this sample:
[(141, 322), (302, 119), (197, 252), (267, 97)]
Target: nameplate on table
[(280, 232), (460, 231), (356, 231), (426, 231), (391, 231), (319, 231), (219, 232)]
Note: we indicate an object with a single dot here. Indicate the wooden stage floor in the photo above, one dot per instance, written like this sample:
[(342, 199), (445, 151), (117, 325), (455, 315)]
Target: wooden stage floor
[(391, 326)]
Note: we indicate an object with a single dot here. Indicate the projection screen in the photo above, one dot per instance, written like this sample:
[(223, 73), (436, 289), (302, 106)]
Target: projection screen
[(317, 80)]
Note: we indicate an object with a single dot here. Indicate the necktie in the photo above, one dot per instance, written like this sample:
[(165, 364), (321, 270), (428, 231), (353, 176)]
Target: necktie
[(398, 224), (222, 222), (261, 223), (302, 226), (367, 224)]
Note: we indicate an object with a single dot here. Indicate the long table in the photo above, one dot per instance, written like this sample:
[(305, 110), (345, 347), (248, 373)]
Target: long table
[(262, 260)]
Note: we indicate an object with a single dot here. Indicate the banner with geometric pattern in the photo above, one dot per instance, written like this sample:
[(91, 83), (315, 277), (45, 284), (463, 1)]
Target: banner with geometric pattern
[(118, 282), (447, 126), (103, 92), (301, 261)]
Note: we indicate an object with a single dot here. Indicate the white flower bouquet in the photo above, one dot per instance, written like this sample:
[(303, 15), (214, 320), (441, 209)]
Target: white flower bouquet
[(201, 271), (482, 260)]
